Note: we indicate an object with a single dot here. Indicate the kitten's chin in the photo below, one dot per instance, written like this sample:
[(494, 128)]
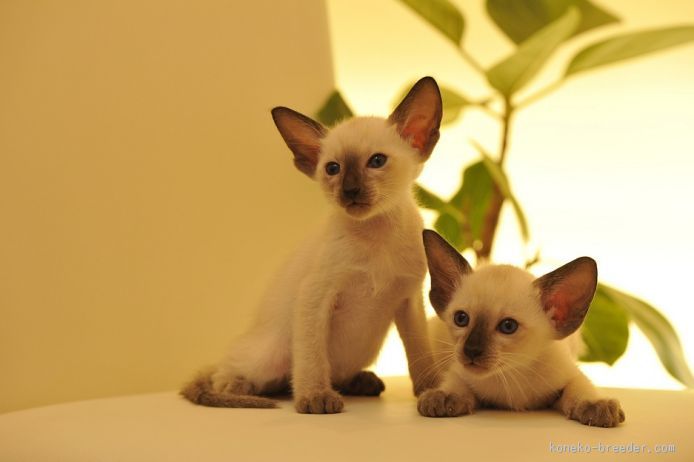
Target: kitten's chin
[(358, 210), (477, 370)]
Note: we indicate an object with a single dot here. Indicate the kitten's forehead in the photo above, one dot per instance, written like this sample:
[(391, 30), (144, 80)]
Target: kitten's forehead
[(362, 137), (497, 290)]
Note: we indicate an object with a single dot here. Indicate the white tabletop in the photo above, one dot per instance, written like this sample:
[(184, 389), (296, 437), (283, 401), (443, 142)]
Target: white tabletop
[(164, 427)]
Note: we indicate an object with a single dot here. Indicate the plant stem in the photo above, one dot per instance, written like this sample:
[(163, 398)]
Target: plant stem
[(540, 93), (505, 129), (472, 61), (484, 106), (491, 218)]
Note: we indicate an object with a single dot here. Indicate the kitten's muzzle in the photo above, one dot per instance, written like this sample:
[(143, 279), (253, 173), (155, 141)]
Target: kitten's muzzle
[(473, 351), (478, 365), (351, 194), (476, 343), (351, 183), (355, 200)]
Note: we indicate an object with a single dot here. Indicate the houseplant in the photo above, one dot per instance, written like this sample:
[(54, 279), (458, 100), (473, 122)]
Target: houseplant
[(469, 219)]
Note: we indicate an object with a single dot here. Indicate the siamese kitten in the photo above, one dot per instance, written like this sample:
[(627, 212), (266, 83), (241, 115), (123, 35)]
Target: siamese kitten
[(504, 334), (325, 316)]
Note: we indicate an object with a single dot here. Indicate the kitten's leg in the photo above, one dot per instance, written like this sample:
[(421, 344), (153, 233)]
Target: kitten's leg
[(241, 385), (451, 399), (259, 357), (580, 401), (410, 321), (313, 393), (240, 394), (365, 383), (238, 385), (258, 363)]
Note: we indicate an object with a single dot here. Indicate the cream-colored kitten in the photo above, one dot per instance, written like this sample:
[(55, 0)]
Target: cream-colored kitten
[(324, 318), (505, 335)]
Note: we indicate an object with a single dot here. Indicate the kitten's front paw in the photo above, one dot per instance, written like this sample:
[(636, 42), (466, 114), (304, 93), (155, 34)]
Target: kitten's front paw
[(438, 403), (365, 383), (321, 402), (599, 413)]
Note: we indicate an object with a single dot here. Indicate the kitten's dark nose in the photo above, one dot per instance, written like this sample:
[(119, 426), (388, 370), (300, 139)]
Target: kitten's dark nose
[(351, 193), (476, 341), (473, 350)]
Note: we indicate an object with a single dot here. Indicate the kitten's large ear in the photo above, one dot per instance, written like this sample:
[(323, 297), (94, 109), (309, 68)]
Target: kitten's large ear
[(566, 293), (446, 267), (302, 135), (418, 116)]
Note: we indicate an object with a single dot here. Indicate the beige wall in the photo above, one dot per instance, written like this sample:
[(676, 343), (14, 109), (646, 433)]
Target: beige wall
[(144, 193)]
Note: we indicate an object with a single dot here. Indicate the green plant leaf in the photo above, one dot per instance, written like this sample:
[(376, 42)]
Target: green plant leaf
[(605, 331), (452, 101), (442, 15), (334, 110), (519, 19), (658, 331), (450, 219), (473, 199), (515, 71), (449, 228), (502, 182), (628, 46), (453, 105), (429, 200)]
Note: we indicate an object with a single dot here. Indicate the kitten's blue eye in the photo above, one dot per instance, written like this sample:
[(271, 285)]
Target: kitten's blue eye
[(461, 318), (332, 168), (507, 326), (378, 160)]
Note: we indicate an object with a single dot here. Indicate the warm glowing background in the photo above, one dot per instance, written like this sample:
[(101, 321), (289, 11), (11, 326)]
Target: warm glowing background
[(145, 197), (603, 167)]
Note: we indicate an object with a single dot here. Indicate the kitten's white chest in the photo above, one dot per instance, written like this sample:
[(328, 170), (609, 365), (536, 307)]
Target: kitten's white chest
[(376, 270), (378, 280)]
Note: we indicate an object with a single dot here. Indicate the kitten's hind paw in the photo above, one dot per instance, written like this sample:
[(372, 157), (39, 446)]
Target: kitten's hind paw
[(599, 413), (321, 402), (365, 383), (438, 403)]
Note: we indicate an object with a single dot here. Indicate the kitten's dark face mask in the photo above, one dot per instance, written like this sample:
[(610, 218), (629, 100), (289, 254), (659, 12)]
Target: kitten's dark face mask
[(476, 351), (484, 344), (363, 180), (352, 185), (487, 342)]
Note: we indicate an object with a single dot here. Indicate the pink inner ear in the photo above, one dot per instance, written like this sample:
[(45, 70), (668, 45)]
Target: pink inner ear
[(559, 304), (417, 130)]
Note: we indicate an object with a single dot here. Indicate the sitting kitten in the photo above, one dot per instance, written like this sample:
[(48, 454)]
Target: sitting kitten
[(502, 331), (326, 315)]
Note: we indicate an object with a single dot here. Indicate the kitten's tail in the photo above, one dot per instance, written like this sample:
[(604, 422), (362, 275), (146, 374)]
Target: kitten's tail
[(200, 391)]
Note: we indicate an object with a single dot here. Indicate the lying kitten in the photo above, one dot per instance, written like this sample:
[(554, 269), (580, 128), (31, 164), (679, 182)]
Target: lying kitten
[(502, 333), (325, 316)]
